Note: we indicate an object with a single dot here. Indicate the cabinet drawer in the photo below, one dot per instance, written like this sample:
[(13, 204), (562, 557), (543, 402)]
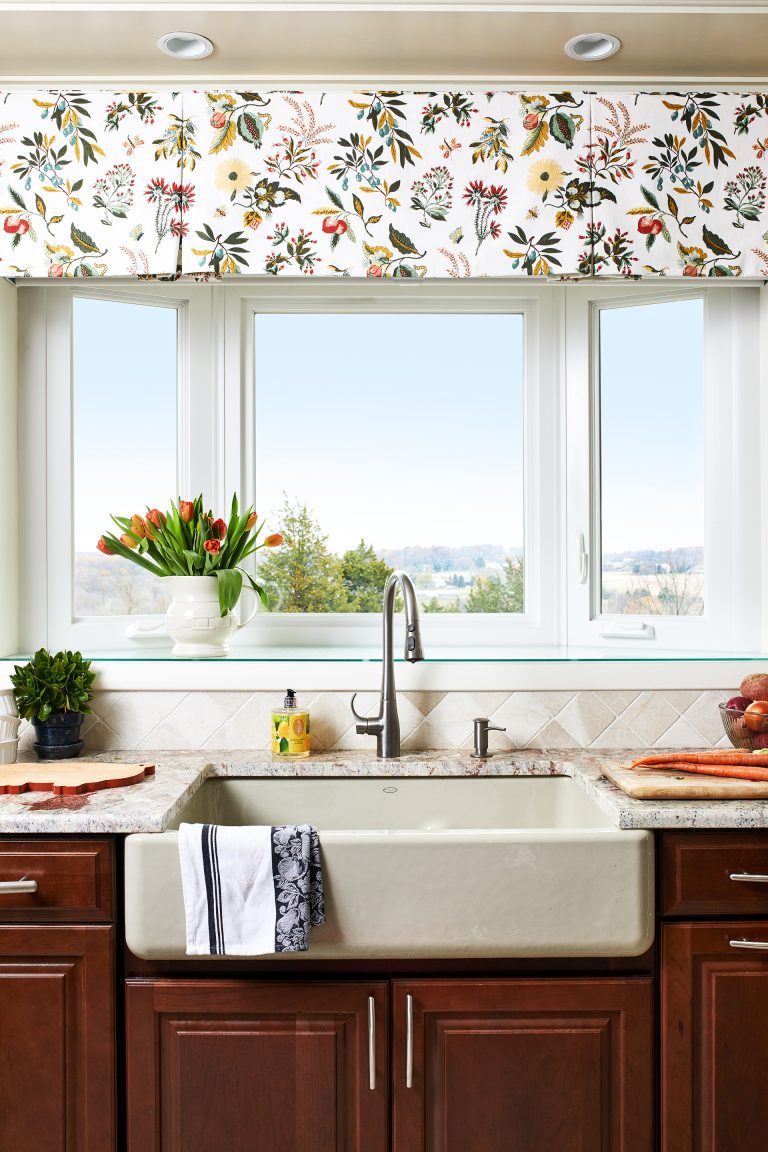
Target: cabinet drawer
[(74, 880), (697, 868)]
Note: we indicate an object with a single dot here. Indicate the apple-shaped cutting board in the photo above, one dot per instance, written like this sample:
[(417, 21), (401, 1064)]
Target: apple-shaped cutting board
[(70, 777)]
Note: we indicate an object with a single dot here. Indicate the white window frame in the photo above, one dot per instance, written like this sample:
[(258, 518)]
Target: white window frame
[(732, 543), (538, 625), (216, 455), (47, 457)]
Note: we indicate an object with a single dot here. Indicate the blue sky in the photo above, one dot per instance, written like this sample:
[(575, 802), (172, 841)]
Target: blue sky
[(402, 429)]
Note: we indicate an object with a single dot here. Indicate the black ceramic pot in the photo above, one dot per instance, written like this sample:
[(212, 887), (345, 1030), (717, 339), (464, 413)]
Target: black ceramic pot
[(58, 737)]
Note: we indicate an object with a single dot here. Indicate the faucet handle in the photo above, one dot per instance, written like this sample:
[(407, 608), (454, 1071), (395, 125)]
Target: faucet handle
[(482, 728), (355, 713)]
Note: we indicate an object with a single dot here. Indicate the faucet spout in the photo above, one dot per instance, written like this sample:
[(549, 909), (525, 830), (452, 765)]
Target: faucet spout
[(385, 726)]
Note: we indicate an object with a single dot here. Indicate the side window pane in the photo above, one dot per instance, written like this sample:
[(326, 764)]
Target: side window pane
[(652, 458), (124, 413), (391, 441)]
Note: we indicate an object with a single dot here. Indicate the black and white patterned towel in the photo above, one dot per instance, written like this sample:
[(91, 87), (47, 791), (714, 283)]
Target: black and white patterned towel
[(250, 890)]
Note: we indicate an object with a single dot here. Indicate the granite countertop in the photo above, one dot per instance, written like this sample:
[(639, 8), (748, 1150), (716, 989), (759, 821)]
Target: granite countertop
[(149, 807)]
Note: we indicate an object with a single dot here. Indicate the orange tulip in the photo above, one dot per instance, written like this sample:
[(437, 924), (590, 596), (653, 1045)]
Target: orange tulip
[(219, 529), (273, 541), (138, 527), (212, 546), (103, 547), (250, 521), (186, 510), (156, 517), (128, 541)]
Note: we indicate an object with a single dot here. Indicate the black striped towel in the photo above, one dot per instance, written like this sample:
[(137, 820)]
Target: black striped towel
[(250, 890)]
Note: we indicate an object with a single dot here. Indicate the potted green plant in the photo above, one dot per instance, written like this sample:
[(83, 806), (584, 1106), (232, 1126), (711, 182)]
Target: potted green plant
[(200, 556), (54, 692)]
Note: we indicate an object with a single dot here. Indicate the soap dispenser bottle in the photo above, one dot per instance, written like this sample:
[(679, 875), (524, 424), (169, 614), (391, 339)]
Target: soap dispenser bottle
[(290, 730)]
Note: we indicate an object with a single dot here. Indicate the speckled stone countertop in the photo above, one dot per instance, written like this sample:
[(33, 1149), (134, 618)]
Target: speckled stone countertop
[(149, 807)]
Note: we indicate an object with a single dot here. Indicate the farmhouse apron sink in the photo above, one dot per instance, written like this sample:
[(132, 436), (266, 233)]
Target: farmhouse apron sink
[(508, 866)]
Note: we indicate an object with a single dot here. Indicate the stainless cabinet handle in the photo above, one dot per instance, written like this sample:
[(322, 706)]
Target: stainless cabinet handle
[(371, 1043), (409, 1041), (750, 877), (23, 885), (757, 945)]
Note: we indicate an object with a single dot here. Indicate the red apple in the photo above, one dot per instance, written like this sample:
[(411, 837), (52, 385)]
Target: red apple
[(645, 225), (341, 227), (756, 716), (738, 704), (329, 223)]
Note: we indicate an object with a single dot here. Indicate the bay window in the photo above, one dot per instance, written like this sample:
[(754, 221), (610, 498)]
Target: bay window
[(559, 467)]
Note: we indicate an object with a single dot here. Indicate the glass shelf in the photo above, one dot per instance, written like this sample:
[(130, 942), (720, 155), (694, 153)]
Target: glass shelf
[(272, 655)]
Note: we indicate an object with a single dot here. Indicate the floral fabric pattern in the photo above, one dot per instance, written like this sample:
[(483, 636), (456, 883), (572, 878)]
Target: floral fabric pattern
[(687, 176), (93, 183), (298, 879), (388, 184), (383, 184)]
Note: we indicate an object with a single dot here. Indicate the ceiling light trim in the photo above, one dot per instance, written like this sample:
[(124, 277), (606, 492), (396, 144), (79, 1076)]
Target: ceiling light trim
[(185, 46)]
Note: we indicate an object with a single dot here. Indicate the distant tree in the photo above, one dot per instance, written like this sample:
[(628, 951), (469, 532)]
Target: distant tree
[(503, 593), (302, 575), (364, 576), (435, 605), (674, 589), (479, 561)]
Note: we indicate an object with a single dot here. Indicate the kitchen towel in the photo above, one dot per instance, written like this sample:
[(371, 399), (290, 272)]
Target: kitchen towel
[(250, 890)]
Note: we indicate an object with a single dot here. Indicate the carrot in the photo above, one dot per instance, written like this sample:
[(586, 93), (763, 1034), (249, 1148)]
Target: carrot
[(736, 764), (732, 771), (716, 756)]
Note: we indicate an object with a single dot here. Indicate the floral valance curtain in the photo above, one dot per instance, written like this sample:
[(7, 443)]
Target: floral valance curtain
[(386, 184)]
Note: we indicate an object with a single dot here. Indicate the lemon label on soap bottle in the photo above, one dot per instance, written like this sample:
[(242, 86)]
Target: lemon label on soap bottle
[(290, 730)]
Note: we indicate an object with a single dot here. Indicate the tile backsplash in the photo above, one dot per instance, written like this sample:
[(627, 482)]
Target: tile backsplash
[(164, 721)]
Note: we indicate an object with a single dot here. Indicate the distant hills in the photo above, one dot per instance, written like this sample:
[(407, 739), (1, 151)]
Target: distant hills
[(440, 558)]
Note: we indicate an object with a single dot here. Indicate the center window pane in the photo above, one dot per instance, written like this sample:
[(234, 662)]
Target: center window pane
[(391, 441), (652, 458)]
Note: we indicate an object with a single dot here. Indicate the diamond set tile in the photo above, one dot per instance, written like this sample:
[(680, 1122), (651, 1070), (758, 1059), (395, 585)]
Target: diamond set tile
[(439, 720)]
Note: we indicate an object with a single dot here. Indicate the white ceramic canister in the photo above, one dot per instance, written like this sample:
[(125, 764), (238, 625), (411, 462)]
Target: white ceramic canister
[(8, 702)]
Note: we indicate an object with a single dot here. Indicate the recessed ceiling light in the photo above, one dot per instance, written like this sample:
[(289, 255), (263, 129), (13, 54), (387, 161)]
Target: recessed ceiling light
[(592, 46), (185, 45)]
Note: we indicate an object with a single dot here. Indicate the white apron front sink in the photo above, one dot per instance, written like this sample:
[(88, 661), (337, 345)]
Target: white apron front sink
[(503, 866)]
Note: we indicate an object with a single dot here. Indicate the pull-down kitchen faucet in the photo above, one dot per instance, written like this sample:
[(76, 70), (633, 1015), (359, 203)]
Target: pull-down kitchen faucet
[(386, 725)]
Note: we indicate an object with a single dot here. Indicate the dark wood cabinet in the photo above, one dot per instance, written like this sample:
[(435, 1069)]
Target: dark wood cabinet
[(256, 1066), (714, 992), (57, 995), (714, 1037), (522, 1065), (57, 1039)]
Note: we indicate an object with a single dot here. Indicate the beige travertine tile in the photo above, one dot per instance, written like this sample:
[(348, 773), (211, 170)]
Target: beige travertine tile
[(617, 700), (680, 699), (704, 715), (189, 725), (250, 726), (648, 716), (424, 701), (585, 718), (552, 736), (616, 735), (523, 715), (133, 715), (680, 735)]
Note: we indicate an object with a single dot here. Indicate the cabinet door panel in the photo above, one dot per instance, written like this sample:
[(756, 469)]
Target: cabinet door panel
[(524, 1066), (56, 1039), (241, 1066), (714, 1038)]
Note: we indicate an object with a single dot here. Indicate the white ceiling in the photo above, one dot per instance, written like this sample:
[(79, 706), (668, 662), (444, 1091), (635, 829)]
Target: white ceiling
[(347, 41)]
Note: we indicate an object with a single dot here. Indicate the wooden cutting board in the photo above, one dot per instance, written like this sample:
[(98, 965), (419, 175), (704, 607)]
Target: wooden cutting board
[(70, 777), (655, 784)]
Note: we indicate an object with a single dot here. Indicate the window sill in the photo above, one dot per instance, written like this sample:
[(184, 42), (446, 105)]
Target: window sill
[(447, 670)]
